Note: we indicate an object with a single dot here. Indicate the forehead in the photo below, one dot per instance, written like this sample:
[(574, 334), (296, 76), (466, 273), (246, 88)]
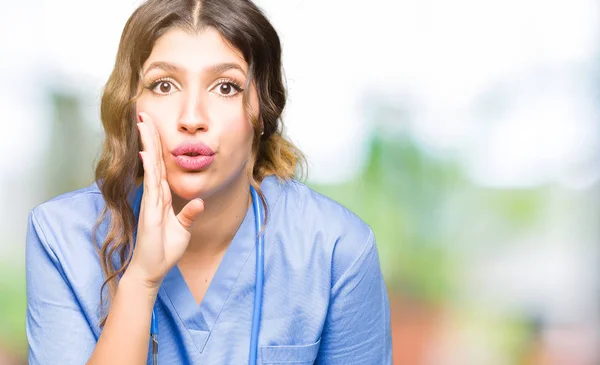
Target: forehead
[(194, 51)]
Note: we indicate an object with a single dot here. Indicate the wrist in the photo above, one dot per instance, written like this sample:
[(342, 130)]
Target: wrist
[(135, 281)]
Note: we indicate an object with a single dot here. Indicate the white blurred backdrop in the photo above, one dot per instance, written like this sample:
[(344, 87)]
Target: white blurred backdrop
[(506, 92)]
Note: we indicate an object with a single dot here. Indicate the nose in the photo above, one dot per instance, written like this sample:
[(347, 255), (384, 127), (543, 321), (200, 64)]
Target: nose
[(192, 125), (194, 117)]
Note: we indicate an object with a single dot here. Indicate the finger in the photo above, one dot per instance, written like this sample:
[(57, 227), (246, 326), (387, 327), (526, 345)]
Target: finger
[(157, 144), (164, 196), (149, 197), (190, 212), (167, 198), (151, 144), (151, 185)]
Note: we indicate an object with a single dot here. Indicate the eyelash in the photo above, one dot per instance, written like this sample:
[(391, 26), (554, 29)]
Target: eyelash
[(151, 86), (233, 83)]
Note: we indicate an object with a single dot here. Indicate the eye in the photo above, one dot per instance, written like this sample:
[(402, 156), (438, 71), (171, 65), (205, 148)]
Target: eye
[(227, 88), (163, 87)]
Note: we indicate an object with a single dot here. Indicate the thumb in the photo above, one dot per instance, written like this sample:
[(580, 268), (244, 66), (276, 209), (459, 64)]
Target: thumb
[(190, 212)]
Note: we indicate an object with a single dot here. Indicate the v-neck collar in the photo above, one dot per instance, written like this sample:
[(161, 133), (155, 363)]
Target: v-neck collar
[(199, 320)]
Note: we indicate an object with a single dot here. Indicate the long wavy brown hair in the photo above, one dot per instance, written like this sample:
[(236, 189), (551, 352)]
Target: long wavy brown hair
[(119, 169)]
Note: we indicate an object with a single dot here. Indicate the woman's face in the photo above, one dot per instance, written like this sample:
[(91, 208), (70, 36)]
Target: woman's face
[(193, 93)]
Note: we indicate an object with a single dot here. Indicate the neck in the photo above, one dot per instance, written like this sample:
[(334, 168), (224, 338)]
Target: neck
[(224, 212)]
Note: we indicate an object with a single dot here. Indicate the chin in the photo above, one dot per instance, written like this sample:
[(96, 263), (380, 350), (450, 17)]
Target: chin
[(190, 185)]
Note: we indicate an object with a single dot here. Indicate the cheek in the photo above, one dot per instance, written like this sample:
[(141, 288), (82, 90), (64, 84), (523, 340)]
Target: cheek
[(143, 103), (235, 128), (158, 110)]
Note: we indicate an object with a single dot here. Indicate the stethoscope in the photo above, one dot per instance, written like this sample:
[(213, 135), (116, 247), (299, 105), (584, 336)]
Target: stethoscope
[(258, 281)]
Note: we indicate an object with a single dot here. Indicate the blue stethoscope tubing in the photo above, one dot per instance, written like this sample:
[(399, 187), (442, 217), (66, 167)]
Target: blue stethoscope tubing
[(258, 281)]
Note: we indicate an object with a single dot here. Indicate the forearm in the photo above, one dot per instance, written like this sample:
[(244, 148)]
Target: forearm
[(125, 336)]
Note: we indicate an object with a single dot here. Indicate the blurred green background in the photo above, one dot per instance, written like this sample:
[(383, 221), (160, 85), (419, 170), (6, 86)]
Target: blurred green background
[(469, 145)]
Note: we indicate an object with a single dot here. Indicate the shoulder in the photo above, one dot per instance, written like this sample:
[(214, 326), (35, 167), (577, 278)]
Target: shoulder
[(337, 231), (65, 205), (64, 223), (80, 206), (311, 208)]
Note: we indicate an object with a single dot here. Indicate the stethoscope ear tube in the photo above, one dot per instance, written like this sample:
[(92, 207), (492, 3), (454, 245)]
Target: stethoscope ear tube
[(259, 278)]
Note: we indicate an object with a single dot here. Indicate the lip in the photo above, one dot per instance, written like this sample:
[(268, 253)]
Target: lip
[(203, 155), (193, 147)]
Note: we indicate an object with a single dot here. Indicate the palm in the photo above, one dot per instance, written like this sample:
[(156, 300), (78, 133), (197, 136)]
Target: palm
[(176, 237)]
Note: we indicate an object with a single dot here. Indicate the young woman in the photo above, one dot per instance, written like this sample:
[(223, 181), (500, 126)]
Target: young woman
[(202, 248)]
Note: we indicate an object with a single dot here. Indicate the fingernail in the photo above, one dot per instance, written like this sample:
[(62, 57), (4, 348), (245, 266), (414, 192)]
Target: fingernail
[(200, 199), (140, 118)]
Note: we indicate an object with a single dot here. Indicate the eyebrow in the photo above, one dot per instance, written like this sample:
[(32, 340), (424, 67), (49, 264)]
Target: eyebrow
[(213, 69)]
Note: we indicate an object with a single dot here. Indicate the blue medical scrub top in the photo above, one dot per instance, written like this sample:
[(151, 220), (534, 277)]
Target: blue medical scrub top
[(324, 302)]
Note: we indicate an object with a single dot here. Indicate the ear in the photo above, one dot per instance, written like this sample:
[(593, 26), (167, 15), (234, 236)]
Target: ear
[(262, 126)]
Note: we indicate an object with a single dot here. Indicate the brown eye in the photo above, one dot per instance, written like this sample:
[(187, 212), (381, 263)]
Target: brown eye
[(165, 87), (225, 89)]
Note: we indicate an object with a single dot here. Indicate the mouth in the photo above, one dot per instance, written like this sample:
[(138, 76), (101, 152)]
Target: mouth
[(193, 156), (194, 161), (193, 149)]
